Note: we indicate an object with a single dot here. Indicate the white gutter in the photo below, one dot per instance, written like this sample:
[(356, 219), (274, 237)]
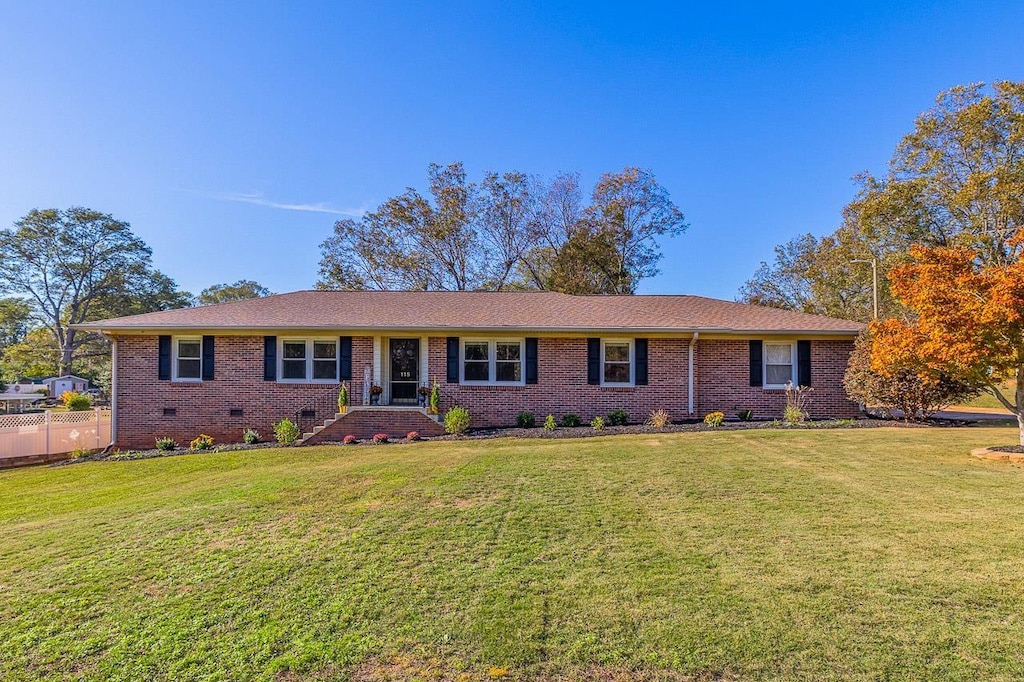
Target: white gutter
[(689, 375)]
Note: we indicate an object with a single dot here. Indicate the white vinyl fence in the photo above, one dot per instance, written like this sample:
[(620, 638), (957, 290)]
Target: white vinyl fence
[(43, 433)]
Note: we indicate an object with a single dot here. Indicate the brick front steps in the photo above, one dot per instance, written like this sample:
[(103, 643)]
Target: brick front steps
[(364, 422)]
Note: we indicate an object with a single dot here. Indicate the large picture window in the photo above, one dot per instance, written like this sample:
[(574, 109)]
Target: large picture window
[(309, 360), (616, 362), (188, 359), (492, 361), (778, 364)]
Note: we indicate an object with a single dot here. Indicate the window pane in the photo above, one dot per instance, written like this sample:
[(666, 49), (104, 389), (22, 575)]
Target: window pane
[(507, 351), (293, 369), (188, 369), (188, 349), (616, 372), (477, 371), (476, 351), (325, 369), (326, 350), (616, 352), (509, 371), (778, 374), (778, 354), (294, 349)]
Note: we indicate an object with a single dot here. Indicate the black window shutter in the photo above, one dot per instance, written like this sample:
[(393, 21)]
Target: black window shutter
[(270, 358), (453, 359), (803, 362), (756, 363), (164, 362), (640, 373), (593, 361), (531, 361), (344, 358), (207, 358)]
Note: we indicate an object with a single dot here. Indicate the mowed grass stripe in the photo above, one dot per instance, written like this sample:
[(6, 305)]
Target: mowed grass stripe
[(767, 554)]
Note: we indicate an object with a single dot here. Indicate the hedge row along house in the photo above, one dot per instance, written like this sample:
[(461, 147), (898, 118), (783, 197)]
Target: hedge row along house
[(221, 369)]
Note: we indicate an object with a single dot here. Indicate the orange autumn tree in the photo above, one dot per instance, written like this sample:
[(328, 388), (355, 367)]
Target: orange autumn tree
[(968, 321)]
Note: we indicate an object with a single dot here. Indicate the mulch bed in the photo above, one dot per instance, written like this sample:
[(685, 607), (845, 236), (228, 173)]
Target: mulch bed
[(560, 432), (1008, 448)]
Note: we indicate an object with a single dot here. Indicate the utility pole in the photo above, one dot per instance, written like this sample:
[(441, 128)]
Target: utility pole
[(874, 282)]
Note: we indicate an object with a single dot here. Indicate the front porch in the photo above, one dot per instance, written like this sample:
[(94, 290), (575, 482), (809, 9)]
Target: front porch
[(364, 422)]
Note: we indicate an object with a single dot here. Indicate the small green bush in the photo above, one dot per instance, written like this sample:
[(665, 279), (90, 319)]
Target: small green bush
[(570, 420), (202, 442), (549, 423), (286, 432), (166, 444), (714, 419), (745, 415), (76, 402), (251, 437), (597, 423), (456, 420), (618, 418), (526, 420)]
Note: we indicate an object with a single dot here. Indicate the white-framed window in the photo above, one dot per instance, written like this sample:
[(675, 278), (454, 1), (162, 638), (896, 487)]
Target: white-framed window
[(617, 368), (493, 361), (779, 363), (308, 361), (188, 358)]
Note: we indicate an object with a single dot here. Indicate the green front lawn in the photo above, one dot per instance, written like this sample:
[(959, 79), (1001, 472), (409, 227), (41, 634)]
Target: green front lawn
[(883, 553)]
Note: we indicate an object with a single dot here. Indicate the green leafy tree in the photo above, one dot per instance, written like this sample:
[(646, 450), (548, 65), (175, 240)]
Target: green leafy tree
[(241, 290), (956, 180), (512, 231), (76, 265)]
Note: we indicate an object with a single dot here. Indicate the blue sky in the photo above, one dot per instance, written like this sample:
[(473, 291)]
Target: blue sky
[(232, 135)]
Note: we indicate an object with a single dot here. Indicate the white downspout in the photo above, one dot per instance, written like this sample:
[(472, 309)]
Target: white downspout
[(113, 392), (689, 375)]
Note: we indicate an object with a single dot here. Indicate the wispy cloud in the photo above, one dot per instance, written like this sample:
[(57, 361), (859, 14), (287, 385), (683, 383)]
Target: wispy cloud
[(260, 200)]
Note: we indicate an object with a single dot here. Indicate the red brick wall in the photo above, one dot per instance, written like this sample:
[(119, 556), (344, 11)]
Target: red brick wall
[(721, 377), (204, 407), (722, 373), (562, 387)]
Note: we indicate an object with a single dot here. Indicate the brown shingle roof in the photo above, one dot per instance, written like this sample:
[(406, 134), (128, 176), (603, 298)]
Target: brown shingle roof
[(468, 310)]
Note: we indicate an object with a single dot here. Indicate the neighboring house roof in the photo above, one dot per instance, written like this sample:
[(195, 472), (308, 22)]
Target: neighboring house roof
[(476, 310), (65, 376)]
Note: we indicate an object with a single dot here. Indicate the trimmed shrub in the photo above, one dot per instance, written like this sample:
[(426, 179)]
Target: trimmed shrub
[(658, 419), (343, 398), (380, 438), (549, 423), (76, 402), (412, 435), (350, 440), (202, 442), (597, 423), (745, 415), (714, 419), (618, 418), (456, 420), (286, 432), (166, 444), (526, 420), (570, 420), (251, 437)]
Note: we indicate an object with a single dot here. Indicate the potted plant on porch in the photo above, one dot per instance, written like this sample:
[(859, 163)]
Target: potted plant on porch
[(422, 394), (343, 398), (435, 398), (375, 392)]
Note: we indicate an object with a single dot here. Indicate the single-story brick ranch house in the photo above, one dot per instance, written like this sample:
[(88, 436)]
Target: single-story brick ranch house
[(223, 368)]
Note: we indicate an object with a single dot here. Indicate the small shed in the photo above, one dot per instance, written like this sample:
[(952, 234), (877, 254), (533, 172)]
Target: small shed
[(55, 386)]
